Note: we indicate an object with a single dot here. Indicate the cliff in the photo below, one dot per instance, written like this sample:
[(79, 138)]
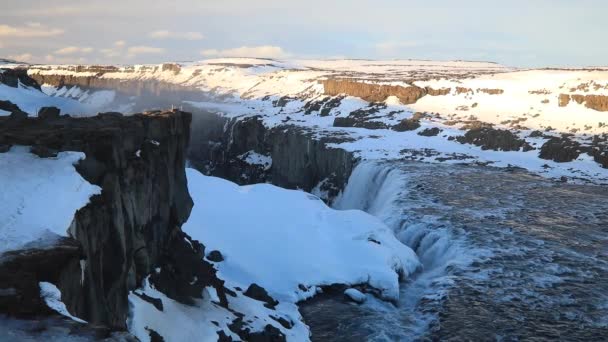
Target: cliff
[(372, 92), (124, 233), (299, 159)]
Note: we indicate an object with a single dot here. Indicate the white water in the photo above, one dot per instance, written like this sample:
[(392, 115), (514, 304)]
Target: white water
[(381, 189)]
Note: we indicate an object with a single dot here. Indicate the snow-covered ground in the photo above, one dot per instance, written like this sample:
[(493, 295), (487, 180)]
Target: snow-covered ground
[(288, 242), (39, 196), (527, 100)]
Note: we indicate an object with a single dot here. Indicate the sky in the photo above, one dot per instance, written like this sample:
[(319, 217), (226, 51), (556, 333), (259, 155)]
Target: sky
[(531, 33)]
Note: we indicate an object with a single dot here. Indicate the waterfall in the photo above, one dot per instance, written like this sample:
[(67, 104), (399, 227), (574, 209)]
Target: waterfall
[(384, 190)]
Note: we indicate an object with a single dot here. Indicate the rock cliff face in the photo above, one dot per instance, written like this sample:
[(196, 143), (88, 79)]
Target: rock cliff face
[(12, 78), (149, 93), (128, 230), (299, 160), (373, 92)]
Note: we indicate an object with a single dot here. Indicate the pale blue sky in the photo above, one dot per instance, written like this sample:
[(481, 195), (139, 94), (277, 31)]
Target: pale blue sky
[(516, 32)]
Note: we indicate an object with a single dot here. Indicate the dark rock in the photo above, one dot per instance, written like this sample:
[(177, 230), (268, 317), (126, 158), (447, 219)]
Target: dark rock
[(560, 150), (536, 134), (215, 256), (269, 334), (282, 321), (22, 270), (43, 151), (362, 123), (430, 132), (18, 115), (157, 302), (183, 272), (492, 139), (406, 125), (133, 226), (5, 148), (49, 113), (8, 106), (259, 293), (154, 336), (12, 78)]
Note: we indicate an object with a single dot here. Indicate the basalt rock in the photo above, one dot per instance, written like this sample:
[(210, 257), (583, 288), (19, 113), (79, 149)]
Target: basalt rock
[(49, 113), (299, 159), (595, 102), (16, 76), (133, 226), (560, 150), (373, 92), (493, 139), (406, 125), (430, 132), (438, 92)]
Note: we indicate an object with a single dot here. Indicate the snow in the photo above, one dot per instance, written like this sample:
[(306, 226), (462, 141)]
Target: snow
[(254, 158), (30, 100), (289, 242), (239, 87), (52, 297), (355, 295), (39, 196), (306, 242)]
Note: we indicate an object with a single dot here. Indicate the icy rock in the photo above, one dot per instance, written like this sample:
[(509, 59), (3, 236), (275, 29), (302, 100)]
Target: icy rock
[(355, 295)]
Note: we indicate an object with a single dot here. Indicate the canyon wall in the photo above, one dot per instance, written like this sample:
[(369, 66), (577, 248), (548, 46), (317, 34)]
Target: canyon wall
[(123, 234), (299, 159)]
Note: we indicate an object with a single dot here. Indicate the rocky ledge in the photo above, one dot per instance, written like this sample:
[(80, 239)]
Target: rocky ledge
[(132, 228)]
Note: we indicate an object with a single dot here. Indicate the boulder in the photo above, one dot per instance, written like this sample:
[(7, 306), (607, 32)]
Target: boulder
[(560, 150), (406, 125), (430, 132), (259, 293), (49, 113), (493, 139)]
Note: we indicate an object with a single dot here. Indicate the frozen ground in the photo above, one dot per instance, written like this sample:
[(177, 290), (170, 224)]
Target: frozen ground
[(289, 242)]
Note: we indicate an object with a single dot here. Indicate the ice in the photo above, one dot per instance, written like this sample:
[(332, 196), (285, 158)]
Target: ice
[(52, 297)]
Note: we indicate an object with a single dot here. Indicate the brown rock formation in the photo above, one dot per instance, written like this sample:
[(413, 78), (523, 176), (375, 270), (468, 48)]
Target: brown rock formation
[(563, 100), (373, 92), (490, 91), (437, 92)]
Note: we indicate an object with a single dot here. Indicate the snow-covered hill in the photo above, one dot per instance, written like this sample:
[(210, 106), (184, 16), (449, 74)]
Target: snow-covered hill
[(420, 110)]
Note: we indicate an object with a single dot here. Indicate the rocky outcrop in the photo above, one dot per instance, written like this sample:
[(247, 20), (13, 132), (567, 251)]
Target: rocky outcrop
[(490, 91), (494, 139), (595, 102), (16, 76), (133, 226), (437, 92), (299, 159), (148, 93), (560, 150), (407, 125), (373, 92)]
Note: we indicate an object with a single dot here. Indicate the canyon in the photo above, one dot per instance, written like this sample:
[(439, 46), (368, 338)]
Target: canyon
[(437, 192)]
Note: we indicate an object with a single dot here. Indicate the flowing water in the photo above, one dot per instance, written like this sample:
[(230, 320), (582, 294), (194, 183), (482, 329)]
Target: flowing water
[(507, 256)]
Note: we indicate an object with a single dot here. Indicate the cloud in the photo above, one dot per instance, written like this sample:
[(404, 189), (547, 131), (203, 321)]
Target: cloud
[(141, 50), (164, 34), (24, 57), (263, 51), (120, 43), (72, 50), (30, 30)]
